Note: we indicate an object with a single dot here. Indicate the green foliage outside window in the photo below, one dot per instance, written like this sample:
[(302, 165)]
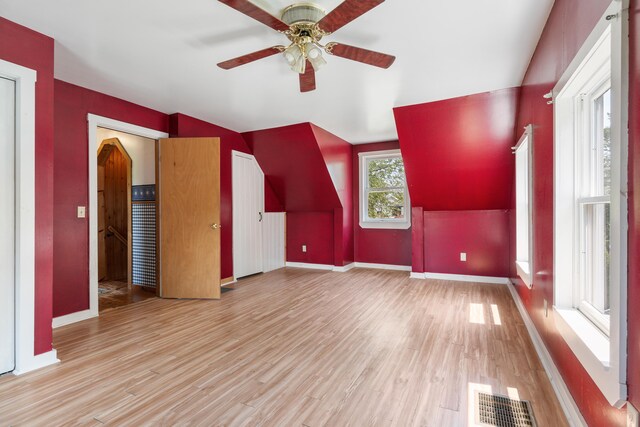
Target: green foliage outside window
[(386, 188)]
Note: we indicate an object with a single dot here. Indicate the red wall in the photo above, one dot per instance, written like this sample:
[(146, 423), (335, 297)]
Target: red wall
[(293, 164), (30, 49), (309, 170), (71, 185), (633, 368), (482, 235), (458, 161), (185, 126), (338, 158), (378, 246), (457, 153), (568, 26), (314, 229)]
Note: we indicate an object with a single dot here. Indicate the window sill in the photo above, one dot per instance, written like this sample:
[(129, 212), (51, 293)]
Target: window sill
[(524, 271), (385, 225), (593, 350)]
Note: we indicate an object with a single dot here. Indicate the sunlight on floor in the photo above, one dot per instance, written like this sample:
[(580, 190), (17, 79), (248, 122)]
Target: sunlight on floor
[(496, 314), (476, 313)]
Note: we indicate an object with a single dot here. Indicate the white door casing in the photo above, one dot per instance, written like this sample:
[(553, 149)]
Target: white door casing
[(7, 219), (248, 214), (94, 122), (25, 189)]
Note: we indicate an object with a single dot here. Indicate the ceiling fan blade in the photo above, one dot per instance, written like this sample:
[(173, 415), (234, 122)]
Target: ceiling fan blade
[(253, 11), (346, 12), (365, 56), (308, 79), (245, 59)]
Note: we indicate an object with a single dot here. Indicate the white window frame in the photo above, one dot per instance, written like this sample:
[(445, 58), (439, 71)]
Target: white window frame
[(365, 221), (524, 220), (603, 357)]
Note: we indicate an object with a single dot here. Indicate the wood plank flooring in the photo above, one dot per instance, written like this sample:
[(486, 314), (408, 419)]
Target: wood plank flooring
[(292, 347)]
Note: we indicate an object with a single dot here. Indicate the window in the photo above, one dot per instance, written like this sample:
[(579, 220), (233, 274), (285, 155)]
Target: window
[(524, 218), (384, 199), (590, 207)]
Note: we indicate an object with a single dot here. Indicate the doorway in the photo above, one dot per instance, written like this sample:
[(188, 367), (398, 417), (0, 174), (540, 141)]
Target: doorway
[(126, 218)]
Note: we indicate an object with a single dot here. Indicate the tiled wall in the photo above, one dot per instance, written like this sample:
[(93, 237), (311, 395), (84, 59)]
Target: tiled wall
[(144, 234)]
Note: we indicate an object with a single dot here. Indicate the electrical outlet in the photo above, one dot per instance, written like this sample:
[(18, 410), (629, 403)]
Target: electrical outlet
[(632, 416), (546, 308), (463, 256), (304, 248), (81, 212)]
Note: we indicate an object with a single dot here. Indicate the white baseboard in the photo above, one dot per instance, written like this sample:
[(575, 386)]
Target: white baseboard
[(567, 403), (415, 275), (37, 362), (68, 319), (229, 283), (312, 266), (344, 268), (383, 266), (465, 278)]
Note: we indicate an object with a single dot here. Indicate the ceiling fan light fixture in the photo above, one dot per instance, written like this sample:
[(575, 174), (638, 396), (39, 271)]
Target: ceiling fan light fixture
[(314, 55), (292, 54), (300, 65)]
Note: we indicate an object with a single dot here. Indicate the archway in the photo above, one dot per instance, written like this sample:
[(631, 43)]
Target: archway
[(114, 212)]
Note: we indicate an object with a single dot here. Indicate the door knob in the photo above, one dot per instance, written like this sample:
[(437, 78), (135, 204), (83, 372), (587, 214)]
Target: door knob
[(215, 226)]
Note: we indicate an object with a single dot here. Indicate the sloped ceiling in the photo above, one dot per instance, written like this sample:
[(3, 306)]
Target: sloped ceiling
[(295, 167), (457, 152), (163, 54)]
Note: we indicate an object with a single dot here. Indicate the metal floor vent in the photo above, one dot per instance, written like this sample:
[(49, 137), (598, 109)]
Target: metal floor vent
[(501, 411)]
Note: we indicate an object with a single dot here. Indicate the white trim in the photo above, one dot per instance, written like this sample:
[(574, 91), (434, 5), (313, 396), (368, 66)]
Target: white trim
[(25, 80), (383, 266), (94, 122), (366, 222), (567, 403), (345, 268), (229, 283), (524, 267), (309, 265), (466, 278), (39, 361), (416, 275), (609, 38), (68, 319)]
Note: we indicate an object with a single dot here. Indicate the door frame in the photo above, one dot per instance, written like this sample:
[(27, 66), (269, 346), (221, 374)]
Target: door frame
[(94, 122), (234, 155), (25, 171)]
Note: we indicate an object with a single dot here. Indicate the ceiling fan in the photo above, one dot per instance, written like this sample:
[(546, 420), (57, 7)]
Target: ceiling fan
[(305, 24)]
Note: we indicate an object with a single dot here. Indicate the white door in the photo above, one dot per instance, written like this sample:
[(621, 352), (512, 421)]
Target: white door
[(7, 224), (248, 212)]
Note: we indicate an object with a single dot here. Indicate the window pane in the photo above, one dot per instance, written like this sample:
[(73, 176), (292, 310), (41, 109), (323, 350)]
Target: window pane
[(597, 255), (386, 205), (385, 173), (522, 202), (602, 145)]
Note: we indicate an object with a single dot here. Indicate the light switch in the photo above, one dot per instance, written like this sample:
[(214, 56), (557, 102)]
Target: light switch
[(81, 212), (463, 256), (304, 248)]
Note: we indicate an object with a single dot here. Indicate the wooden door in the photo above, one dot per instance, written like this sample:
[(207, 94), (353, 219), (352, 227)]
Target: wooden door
[(188, 197), (114, 211)]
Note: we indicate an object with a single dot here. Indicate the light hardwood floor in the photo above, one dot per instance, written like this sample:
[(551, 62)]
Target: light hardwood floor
[(291, 347)]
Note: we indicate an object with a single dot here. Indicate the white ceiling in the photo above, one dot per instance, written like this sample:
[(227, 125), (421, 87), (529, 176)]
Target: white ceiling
[(163, 54)]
